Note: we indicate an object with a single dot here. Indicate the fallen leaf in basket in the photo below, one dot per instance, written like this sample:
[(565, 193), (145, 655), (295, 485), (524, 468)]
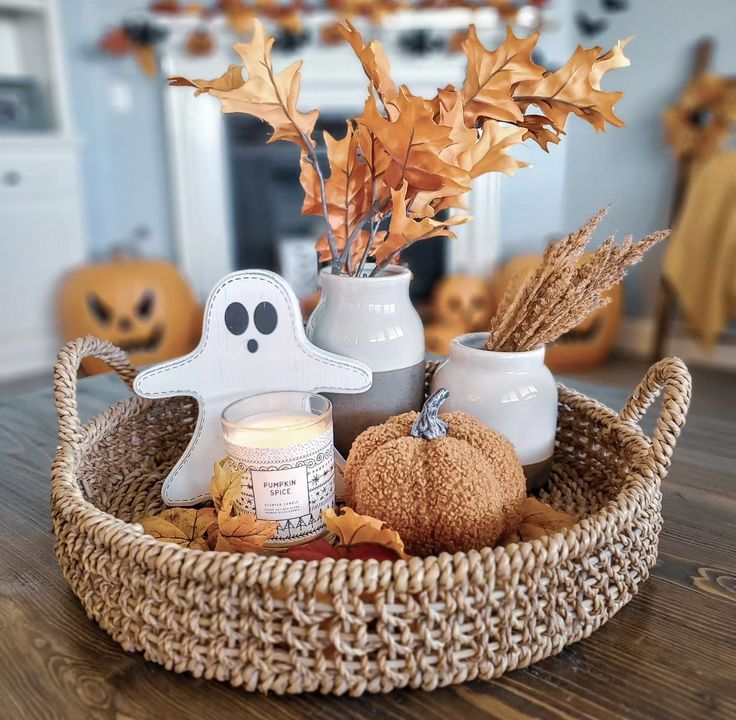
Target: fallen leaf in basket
[(243, 533), (186, 527), (372, 551), (315, 550), (321, 549), (353, 529), (537, 520), (226, 488)]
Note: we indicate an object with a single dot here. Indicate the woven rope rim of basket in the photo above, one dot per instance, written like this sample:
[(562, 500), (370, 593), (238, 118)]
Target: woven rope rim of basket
[(651, 458)]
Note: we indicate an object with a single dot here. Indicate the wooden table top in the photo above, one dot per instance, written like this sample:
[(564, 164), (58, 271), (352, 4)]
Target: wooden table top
[(670, 653)]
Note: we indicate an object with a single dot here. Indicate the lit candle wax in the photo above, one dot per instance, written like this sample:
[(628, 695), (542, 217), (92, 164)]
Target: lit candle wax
[(277, 430), (283, 443)]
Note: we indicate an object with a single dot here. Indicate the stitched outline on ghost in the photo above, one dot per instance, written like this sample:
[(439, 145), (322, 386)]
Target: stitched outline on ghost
[(249, 274)]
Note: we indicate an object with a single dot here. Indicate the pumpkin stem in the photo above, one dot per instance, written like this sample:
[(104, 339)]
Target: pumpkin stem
[(429, 425)]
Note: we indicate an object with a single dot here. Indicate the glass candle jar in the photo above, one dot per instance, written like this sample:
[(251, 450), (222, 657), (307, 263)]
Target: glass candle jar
[(283, 442)]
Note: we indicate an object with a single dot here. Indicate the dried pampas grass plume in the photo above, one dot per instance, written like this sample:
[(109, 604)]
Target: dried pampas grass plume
[(563, 291)]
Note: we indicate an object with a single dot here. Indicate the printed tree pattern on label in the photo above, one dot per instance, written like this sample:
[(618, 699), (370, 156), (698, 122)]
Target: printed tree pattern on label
[(291, 485)]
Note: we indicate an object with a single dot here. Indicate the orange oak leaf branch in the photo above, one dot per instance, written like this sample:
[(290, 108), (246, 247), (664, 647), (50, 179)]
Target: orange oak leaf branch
[(406, 159)]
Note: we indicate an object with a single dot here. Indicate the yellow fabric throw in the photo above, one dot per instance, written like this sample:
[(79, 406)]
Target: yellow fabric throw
[(700, 262)]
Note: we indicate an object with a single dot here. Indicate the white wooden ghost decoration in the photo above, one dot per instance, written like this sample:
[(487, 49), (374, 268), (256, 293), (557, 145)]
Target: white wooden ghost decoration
[(253, 341)]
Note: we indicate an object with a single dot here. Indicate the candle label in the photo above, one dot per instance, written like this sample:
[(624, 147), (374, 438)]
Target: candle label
[(291, 485)]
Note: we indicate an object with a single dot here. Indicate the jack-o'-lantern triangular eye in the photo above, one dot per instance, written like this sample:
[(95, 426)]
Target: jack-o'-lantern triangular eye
[(101, 312), (145, 305)]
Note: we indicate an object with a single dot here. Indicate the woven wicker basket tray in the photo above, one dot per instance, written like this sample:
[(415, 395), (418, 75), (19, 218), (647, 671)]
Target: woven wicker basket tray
[(271, 624)]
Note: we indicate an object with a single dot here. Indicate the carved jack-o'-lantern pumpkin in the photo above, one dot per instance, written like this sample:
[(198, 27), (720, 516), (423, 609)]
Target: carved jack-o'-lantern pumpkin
[(589, 343), (143, 306), (463, 300)]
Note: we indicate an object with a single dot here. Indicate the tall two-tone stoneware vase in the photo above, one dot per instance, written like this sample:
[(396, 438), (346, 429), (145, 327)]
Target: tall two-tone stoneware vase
[(371, 319)]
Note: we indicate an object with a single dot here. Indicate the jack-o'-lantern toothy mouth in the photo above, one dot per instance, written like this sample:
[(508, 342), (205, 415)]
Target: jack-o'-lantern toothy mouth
[(148, 343)]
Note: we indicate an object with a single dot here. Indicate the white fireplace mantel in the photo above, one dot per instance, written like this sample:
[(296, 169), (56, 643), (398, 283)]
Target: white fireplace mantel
[(333, 82)]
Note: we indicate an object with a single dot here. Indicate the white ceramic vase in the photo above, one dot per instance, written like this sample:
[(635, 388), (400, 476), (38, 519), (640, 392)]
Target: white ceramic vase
[(373, 320), (512, 392)]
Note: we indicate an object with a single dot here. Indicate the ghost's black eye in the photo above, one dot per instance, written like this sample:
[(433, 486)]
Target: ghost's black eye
[(265, 318), (236, 318), (145, 305), (99, 309)]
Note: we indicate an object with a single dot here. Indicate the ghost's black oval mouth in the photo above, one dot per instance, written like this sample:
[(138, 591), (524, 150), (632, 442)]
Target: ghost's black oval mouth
[(252, 345)]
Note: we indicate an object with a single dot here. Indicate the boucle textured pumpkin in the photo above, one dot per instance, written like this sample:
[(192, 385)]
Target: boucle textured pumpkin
[(445, 483)]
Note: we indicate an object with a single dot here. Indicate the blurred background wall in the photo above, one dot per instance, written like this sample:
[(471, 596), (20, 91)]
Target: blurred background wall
[(633, 169), (118, 113)]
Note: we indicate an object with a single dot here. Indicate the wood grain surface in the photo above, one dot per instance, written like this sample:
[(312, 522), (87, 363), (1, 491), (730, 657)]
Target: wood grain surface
[(671, 653)]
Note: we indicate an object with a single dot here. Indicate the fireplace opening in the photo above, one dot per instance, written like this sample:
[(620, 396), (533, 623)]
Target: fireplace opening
[(269, 230)]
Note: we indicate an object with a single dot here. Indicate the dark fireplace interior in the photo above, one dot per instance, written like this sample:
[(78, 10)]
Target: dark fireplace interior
[(267, 199)]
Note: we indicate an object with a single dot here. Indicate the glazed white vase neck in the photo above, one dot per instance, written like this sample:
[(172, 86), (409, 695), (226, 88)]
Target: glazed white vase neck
[(393, 281), (469, 349)]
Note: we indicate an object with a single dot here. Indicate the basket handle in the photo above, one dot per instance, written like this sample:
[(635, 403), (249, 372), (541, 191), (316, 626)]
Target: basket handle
[(672, 376), (65, 379)]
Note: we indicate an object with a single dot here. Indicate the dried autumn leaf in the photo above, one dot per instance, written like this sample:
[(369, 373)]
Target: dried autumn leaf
[(574, 88), (231, 79), (414, 141), (314, 550), (357, 249), (537, 520), (478, 155), (353, 529), (321, 549), (489, 153), (346, 188), (405, 229), (450, 115), (243, 533), (186, 527), (266, 94), (377, 160), (612, 60), (538, 128), (372, 551), (491, 74), (374, 61), (348, 191), (226, 487)]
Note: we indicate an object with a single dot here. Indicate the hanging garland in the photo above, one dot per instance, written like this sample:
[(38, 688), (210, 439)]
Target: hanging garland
[(141, 38), (704, 117)]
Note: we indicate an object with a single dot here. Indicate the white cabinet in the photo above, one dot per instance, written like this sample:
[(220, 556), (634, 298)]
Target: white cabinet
[(41, 222), (41, 237)]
